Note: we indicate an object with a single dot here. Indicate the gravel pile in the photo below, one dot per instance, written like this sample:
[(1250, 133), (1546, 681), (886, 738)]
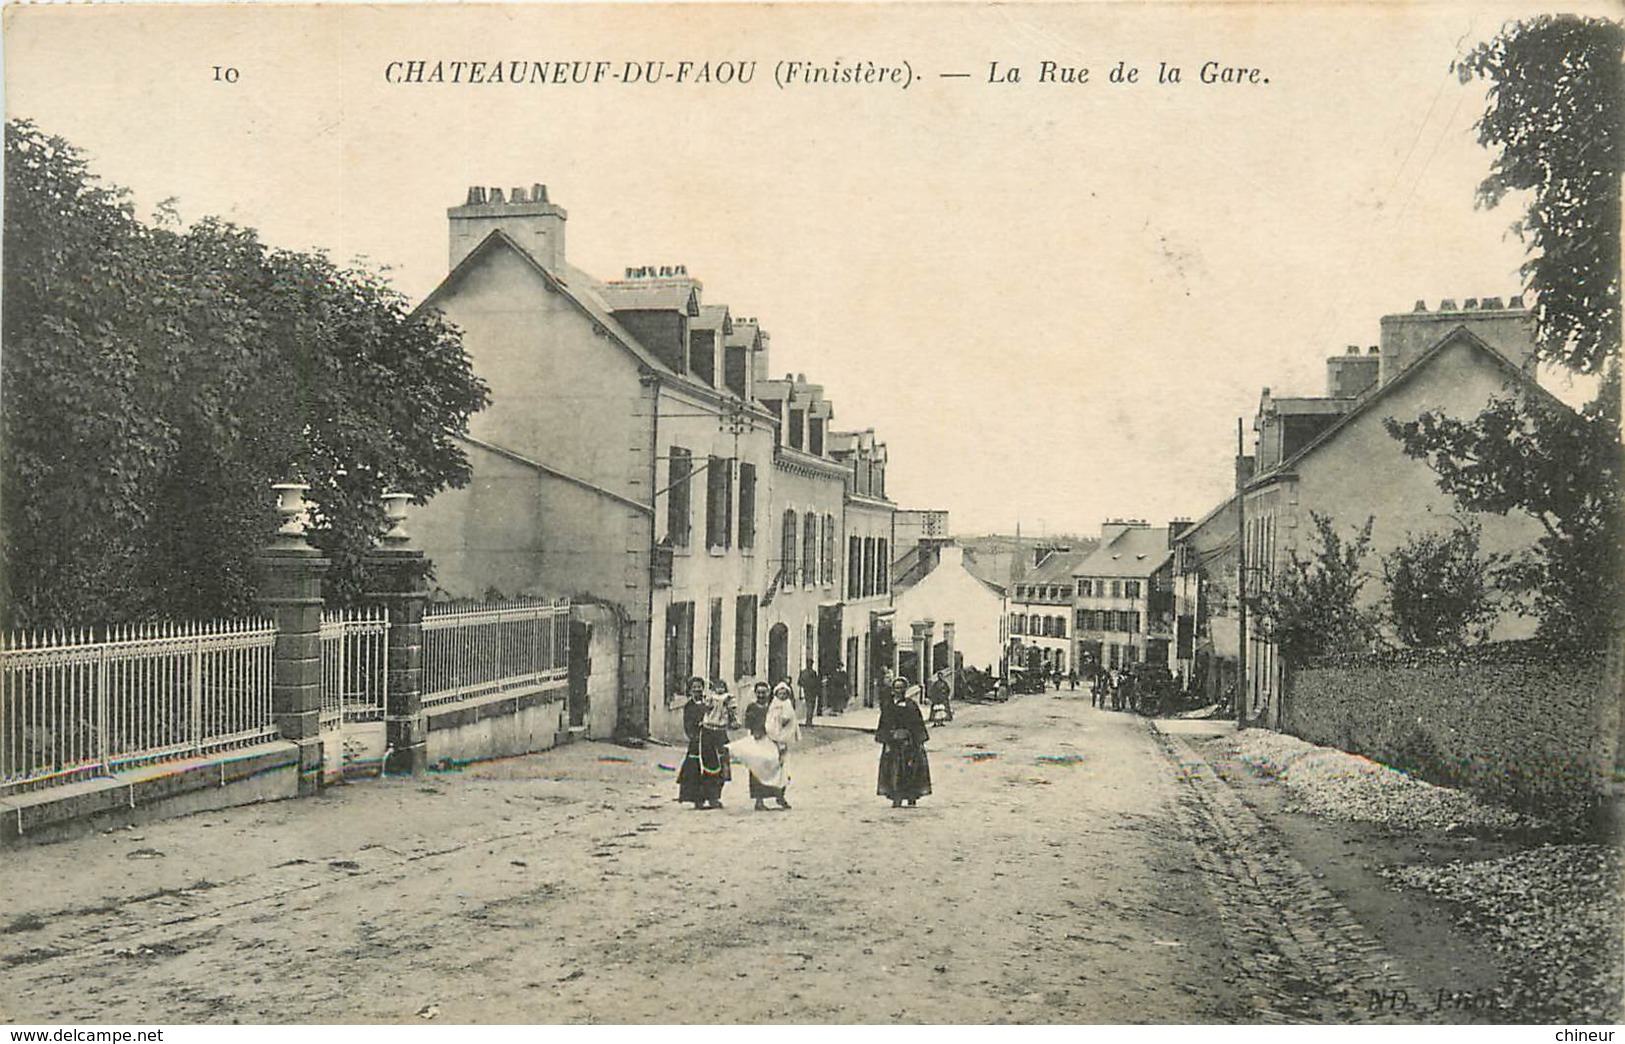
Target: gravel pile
[(1328, 782), (1555, 911)]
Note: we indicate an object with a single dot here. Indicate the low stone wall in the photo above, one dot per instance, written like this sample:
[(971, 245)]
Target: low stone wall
[(267, 772), (497, 726), (1510, 721)]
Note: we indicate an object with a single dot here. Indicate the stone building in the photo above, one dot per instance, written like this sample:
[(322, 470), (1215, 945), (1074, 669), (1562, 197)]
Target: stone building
[(1041, 611), (634, 456), (1123, 612), (1332, 455)]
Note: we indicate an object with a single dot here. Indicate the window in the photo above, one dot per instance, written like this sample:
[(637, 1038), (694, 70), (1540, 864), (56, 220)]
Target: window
[(1133, 623), (719, 497), (734, 370), (854, 567), (787, 549), (679, 648), (1085, 589), (1060, 627), (1131, 589), (883, 572), (797, 422), (868, 566), (1117, 588), (744, 636), (714, 640), (702, 355), (677, 506), (1018, 624), (809, 549), (747, 507), (827, 575), (815, 436)]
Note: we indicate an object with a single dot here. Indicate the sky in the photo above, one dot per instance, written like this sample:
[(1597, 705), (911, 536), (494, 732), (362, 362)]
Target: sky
[(1052, 301)]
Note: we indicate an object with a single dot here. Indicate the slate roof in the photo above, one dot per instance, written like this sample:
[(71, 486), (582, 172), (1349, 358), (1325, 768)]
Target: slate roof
[(1459, 334), (1135, 552), (654, 295)]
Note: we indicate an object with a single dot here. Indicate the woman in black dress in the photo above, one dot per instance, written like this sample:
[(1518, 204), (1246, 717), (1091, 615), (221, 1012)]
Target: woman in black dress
[(705, 769), (905, 771)]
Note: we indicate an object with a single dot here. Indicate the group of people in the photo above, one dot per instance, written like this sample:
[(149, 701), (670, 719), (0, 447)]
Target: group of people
[(1114, 688), (772, 728), (824, 693)]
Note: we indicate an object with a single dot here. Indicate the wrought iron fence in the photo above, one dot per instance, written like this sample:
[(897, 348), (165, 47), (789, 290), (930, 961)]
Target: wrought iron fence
[(355, 665), (473, 651), (77, 704)]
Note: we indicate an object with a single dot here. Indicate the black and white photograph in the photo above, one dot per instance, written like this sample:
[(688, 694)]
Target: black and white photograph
[(834, 514)]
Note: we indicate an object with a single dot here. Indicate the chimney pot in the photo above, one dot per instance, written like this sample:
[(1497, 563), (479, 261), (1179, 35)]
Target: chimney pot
[(538, 193), (476, 196), (516, 194), (1516, 302), (1374, 350), (496, 197), (1421, 306), (1469, 304), (1447, 305), (1353, 349), (629, 272), (1492, 303)]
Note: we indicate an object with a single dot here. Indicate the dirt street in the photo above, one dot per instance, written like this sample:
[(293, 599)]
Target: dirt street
[(1068, 868)]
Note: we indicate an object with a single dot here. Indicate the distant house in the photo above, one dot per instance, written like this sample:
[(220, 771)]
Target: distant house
[(1041, 611), (950, 593), (1332, 456), (1124, 606)]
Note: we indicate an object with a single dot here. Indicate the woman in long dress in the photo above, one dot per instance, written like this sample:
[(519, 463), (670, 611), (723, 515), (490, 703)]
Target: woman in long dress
[(760, 754), (705, 722), (905, 770)]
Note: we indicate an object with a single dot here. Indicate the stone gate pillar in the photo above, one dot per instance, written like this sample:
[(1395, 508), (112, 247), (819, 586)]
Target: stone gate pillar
[(397, 579), (953, 675), (921, 649), (927, 667), (290, 574)]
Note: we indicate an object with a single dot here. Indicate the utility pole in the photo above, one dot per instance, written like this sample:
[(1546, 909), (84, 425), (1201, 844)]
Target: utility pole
[(1241, 581)]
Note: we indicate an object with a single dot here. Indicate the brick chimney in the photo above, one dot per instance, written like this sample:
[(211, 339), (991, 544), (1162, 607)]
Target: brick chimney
[(525, 215)]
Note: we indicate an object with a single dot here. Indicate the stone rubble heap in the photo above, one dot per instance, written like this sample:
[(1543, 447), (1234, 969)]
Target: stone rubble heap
[(1324, 781), (1555, 911)]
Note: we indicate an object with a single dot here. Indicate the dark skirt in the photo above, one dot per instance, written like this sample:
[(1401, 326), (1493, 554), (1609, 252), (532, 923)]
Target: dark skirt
[(905, 771), (706, 768), (759, 790)]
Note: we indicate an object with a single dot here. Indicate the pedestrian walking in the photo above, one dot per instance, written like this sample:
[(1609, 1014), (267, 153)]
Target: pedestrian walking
[(835, 690), (1072, 679), (706, 719), (761, 756), (812, 690), (941, 697), (905, 770)]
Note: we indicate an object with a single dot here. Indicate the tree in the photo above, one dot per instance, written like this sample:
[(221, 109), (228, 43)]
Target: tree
[(1556, 108), (1312, 607), (1439, 589), (1558, 465), (155, 380), (1555, 116)]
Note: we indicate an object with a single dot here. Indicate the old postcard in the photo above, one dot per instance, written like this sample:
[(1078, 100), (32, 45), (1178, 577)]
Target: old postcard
[(811, 513)]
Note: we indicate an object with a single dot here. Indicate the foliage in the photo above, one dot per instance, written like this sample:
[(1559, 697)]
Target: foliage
[(1562, 467), (1311, 609), (157, 379), (1557, 116), (1556, 109), (1439, 589)]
